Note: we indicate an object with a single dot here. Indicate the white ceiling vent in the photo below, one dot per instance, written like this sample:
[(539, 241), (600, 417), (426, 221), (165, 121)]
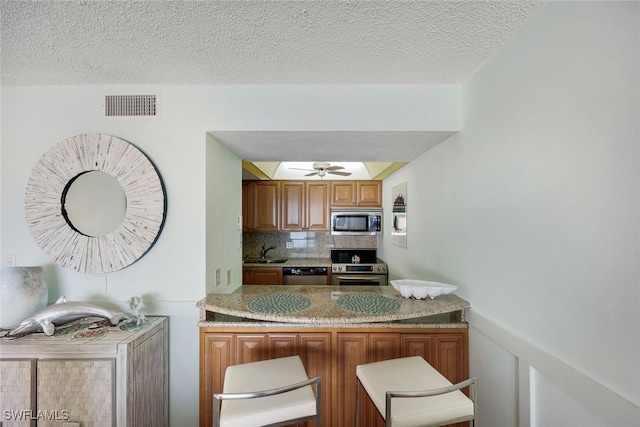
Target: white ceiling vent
[(130, 105)]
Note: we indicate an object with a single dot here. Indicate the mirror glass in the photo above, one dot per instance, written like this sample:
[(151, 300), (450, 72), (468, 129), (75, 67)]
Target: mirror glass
[(94, 203)]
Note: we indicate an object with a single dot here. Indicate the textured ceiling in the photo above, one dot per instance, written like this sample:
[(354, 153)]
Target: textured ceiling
[(260, 42), (253, 42)]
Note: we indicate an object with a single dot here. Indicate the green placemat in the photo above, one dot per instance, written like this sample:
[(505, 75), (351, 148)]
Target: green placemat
[(368, 303), (278, 303)]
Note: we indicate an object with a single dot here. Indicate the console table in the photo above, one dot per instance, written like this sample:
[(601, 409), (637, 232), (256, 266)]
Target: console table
[(89, 373)]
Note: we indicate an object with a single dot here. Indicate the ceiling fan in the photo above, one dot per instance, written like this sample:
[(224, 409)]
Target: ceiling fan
[(322, 168)]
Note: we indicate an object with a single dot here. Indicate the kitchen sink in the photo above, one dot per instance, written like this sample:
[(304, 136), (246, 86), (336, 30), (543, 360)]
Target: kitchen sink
[(265, 260)]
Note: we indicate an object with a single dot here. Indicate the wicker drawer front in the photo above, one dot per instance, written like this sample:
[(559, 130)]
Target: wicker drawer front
[(17, 391), (82, 387)]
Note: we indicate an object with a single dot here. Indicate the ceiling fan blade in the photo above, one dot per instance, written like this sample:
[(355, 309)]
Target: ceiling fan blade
[(333, 168), (339, 173), (301, 169), (312, 173)]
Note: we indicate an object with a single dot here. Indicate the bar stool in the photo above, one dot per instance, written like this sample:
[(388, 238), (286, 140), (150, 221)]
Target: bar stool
[(274, 392), (425, 397)]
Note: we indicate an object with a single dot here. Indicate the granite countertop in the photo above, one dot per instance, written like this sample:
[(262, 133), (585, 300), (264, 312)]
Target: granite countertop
[(325, 305), (294, 262)]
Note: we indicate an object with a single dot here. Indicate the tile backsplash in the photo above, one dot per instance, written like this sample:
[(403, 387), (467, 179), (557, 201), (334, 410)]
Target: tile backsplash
[(301, 244)]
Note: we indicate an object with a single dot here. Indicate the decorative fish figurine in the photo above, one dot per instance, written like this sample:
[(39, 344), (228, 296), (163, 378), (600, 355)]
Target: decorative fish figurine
[(60, 313)]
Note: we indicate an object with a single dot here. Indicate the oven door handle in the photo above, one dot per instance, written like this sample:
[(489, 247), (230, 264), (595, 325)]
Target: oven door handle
[(360, 277)]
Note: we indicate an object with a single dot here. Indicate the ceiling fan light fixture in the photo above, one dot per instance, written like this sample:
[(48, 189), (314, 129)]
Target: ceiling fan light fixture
[(321, 169), (321, 165)]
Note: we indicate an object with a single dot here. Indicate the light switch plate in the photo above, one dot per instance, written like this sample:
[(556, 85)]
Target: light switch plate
[(100, 285)]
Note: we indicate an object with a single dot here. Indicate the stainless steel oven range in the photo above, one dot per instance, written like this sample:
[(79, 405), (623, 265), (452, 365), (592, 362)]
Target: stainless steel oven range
[(357, 267)]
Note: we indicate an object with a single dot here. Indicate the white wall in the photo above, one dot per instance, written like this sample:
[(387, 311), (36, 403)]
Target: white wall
[(198, 173), (533, 211), (224, 210)]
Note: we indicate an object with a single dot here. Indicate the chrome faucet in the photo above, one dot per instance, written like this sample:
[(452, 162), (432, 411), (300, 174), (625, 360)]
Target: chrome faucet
[(263, 252)]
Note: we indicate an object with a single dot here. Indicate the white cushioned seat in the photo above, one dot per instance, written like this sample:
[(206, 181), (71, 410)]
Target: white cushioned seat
[(267, 410), (412, 374)]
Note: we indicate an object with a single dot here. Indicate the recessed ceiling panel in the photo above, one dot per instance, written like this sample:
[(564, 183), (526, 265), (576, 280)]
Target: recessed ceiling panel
[(345, 146)]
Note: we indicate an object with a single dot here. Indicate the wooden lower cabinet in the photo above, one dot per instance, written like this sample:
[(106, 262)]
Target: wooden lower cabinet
[(333, 354), (262, 276), (219, 350)]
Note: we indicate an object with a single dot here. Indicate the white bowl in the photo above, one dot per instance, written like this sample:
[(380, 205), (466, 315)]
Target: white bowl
[(420, 289)]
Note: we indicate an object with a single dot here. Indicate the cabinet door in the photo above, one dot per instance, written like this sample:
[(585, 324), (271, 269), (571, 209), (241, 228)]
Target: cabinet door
[(343, 193), (268, 276), (447, 359), (262, 276), (417, 345), (148, 391), (247, 206), (351, 352), (216, 353), (83, 387), (369, 193), (317, 210), (381, 347), (293, 201), (315, 352), (266, 209), (251, 348), (247, 276), (282, 345), (17, 391)]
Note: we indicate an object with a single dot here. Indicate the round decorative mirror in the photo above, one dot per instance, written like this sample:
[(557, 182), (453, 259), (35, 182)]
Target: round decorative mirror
[(95, 203)]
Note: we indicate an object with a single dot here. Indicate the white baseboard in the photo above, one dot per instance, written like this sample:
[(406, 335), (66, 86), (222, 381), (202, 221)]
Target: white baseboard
[(602, 400)]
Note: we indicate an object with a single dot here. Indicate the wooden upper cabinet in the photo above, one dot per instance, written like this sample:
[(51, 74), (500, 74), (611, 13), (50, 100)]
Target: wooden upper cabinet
[(305, 206), (369, 193), (356, 193), (247, 206), (264, 206), (302, 205), (343, 193), (317, 214), (293, 205)]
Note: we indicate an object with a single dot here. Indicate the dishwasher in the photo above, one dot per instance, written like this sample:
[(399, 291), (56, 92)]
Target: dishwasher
[(305, 275)]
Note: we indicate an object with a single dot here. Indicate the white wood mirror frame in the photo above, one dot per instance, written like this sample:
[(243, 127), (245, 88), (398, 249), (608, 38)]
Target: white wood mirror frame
[(145, 203)]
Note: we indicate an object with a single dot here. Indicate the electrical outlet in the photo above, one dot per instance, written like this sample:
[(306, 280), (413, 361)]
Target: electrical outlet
[(217, 277), (228, 277), (289, 244), (10, 260)]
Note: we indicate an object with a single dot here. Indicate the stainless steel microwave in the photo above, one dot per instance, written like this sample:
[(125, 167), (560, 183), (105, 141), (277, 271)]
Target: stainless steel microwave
[(356, 222)]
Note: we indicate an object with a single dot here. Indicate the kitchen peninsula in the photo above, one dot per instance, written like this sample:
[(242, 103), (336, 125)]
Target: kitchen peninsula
[(333, 329)]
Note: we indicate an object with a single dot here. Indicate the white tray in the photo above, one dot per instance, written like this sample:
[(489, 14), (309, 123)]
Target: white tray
[(420, 289)]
